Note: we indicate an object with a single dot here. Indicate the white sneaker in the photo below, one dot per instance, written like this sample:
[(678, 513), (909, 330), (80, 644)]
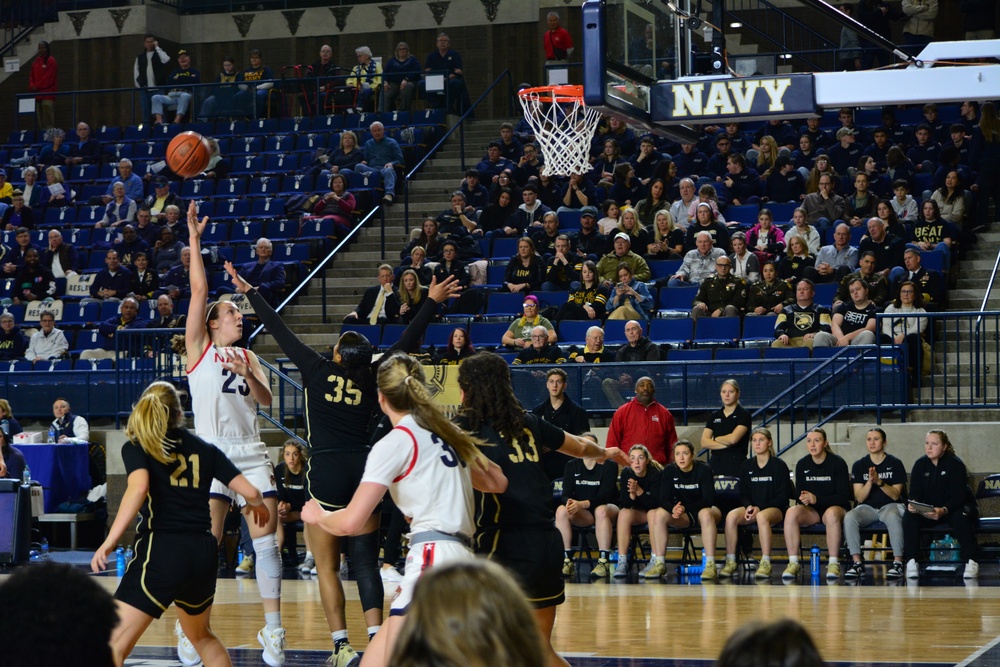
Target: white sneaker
[(912, 569), (274, 646), (313, 571), (971, 570), (344, 570), (308, 564), (390, 575), (186, 652)]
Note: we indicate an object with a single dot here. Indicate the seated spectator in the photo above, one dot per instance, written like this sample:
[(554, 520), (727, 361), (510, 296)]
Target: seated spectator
[(120, 211), (49, 342), (400, 77), (133, 184), (845, 153), (17, 214), (347, 156), (603, 172), (929, 282), (630, 224), (148, 230), (638, 488), (835, 261), (785, 183), (510, 146), (801, 227), (721, 294), (608, 224), (129, 246), (145, 282), (411, 295), (854, 322), (645, 420), (385, 154), (428, 238), (14, 258), (691, 162), (950, 199), (765, 240), (688, 197), (709, 195), (176, 283), (625, 187), (925, 152), (861, 205), (458, 219), (655, 201), (366, 77), (33, 281), (69, 428), (59, 257), (254, 93), (630, 298), (56, 151), (805, 154), (266, 274), (903, 204), (518, 335), (59, 193), (767, 154), (222, 97), (877, 285), (127, 319), (893, 227), (528, 215), (529, 165), (218, 167), (716, 167), (540, 351), (505, 180), (417, 264), (577, 193), (161, 198), (821, 168), (770, 294), (526, 270), (888, 249), (593, 351), (494, 217), (705, 220), (588, 300), (113, 282), (933, 232), (13, 342), (607, 268), (443, 60), (494, 163), (458, 350), (667, 241), (180, 94), (560, 269), (8, 423), (824, 208), (698, 264), (12, 466), (646, 160), (589, 492), (469, 302), (804, 323), (379, 304), (338, 205), (742, 183), (908, 331), (589, 242), (477, 195), (899, 168), (746, 265), (167, 319), (86, 150), (878, 151), (167, 251), (796, 261)]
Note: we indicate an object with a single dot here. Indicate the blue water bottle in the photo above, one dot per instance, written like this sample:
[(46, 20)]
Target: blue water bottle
[(120, 560), (45, 548), (128, 554), (52, 434), (814, 559)]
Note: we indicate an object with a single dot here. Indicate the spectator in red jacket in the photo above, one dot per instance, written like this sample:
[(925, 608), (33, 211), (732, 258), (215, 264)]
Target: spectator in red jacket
[(43, 79), (643, 421)]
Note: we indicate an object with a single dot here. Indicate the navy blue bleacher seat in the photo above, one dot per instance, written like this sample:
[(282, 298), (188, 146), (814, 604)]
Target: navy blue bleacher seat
[(265, 126), (243, 231), (758, 330), (569, 220), (369, 181), (553, 299), (745, 214), (664, 268), (280, 163), (82, 172), (495, 274), (574, 332), (266, 184), (282, 229), (716, 331), (825, 293), (166, 131), (614, 332), (781, 211), (505, 304), (89, 215), (310, 141), (246, 145), (198, 188), (266, 208), (298, 183), (87, 339), (295, 125), (487, 334), (739, 353), (676, 301), (134, 133), (93, 364), (391, 333), (22, 137), (291, 252), (676, 332), (243, 254), (216, 232), (60, 216), (279, 143), (313, 227), (146, 149), (247, 164), (232, 208), (78, 236), (328, 123), (504, 248), (439, 334)]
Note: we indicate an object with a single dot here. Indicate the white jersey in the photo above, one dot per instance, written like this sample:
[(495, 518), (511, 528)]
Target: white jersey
[(426, 479), (222, 403)]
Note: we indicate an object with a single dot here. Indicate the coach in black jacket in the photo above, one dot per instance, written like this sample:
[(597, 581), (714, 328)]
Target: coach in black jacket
[(388, 312)]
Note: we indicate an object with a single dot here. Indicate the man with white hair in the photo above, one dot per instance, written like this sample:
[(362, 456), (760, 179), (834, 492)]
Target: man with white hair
[(128, 178), (540, 351), (268, 275), (382, 154), (557, 41), (679, 209), (593, 350), (698, 264)]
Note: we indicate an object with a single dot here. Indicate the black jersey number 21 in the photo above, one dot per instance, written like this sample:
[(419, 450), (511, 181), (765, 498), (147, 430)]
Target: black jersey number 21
[(241, 388), (190, 465)]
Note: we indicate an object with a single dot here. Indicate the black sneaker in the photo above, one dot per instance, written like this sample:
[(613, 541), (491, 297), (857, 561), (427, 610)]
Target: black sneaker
[(895, 570), (854, 570)]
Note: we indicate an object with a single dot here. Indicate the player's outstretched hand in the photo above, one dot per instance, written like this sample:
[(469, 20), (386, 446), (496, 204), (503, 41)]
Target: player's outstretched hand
[(236, 363), (241, 286), (444, 290), (616, 455), (260, 513), (312, 513), (195, 228), (100, 560)]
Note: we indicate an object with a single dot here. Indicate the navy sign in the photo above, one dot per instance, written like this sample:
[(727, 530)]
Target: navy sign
[(770, 97)]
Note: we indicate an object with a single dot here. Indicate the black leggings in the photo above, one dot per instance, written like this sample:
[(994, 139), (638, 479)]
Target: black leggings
[(393, 533), (363, 552)]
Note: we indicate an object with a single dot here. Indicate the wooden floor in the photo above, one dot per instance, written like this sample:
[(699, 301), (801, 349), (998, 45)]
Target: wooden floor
[(939, 621)]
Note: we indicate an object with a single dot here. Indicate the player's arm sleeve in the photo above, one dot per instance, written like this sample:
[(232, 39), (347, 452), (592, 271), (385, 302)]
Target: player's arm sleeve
[(410, 339), (304, 357)]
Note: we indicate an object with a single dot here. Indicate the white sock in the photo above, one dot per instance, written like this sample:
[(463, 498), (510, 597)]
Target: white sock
[(767, 559), (832, 559), (338, 635), (709, 559), (793, 559), (731, 557), (372, 629), (272, 620), (268, 566)]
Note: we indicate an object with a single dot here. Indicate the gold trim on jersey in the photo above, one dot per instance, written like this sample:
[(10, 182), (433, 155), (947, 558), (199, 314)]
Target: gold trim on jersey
[(209, 600), (145, 564)]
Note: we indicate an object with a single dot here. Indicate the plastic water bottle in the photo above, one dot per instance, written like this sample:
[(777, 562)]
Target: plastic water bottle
[(128, 554), (239, 555), (692, 570), (52, 434), (120, 560), (703, 559), (26, 476), (45, 548), (814, 559)]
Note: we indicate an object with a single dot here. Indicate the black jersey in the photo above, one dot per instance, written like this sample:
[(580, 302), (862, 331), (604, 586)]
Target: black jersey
[(597, 485), (728, 461), (829, 481), (571, 418), (650, 484), (526, 502), (694, 489), (177, 501), (292, 490), (855, 318), (340, 411), (770, 486), (891, 471)]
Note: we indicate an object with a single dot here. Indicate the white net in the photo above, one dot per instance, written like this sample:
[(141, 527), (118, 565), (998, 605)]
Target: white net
[(564, 127)]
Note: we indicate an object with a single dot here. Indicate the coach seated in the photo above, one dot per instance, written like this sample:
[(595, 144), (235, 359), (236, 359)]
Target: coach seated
[(379, 304)]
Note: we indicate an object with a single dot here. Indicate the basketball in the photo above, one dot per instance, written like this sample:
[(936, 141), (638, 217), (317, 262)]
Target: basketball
[(188, 154)]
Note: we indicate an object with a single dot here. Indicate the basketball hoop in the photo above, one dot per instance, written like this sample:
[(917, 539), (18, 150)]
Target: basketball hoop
[(564, 127)]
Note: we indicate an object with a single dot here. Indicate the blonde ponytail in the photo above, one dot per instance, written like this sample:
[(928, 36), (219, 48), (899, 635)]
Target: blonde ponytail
[(153, 415), (401, 381)]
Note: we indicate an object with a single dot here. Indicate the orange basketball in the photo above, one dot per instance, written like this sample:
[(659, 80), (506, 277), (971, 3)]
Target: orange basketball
[(188, 154)]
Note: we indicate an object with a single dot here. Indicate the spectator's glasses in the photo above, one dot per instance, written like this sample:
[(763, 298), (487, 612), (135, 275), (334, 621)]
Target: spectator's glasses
[(530, 304)]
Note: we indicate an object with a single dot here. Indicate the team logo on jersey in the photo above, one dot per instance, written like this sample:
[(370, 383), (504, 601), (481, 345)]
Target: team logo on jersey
[(804, 320)]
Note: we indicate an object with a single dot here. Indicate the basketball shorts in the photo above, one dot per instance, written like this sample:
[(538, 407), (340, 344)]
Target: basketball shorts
[(422, 556), (171, 567), (332, 477), (535, 558), (253, 461)]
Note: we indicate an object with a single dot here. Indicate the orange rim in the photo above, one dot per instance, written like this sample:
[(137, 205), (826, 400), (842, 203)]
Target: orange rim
[(554, 93)]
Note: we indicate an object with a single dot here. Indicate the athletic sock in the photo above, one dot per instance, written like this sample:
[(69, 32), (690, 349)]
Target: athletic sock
[(603, 554), (793, 559), (709, 559), (339, 639), (731, 557), (832, 559), (567, 554), (372, 629), (272, 620), (767, 559)]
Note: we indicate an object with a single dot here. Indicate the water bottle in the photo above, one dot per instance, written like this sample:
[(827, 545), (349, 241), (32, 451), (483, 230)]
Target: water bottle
[(613, 556), (692, 570), (935, 546), (703, 559), (52, 434), (26, 476), (120, 560), (128, 554), (45, 548), (239, 555), (814, 559)]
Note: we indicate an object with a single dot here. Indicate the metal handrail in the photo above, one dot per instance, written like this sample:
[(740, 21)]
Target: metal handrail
[(318, 269), (460, 125), (766, 11)]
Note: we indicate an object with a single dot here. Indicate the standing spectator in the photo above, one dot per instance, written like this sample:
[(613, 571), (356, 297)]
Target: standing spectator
[(804, 324), (149, 71), (557, 41), (379, 304), (13, 342), (113, 282), (179, 95), (979, 18), (366, 77), (253, 96), (44, 79), (400, 77), (382, 154), (445, 61), (266, 274), (876, 14), (850, 43), (644, 420)]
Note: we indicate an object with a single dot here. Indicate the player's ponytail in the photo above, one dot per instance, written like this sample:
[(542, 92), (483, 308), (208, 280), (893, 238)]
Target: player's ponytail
[(153, 415), (401, 381)]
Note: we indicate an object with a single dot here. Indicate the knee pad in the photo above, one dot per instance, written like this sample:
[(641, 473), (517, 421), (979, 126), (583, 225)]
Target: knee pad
[(364, 564), (268, 565)]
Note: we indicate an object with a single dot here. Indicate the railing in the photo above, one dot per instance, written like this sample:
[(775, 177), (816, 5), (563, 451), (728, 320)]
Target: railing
[(799, 61), (18, 20), (461, 140), (215, 6), (774, 25)]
